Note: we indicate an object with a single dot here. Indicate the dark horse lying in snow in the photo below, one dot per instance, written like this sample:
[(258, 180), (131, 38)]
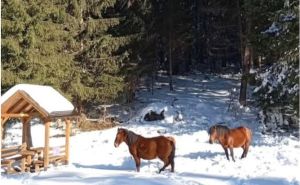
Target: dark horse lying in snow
[(148, 148), (231, 138)]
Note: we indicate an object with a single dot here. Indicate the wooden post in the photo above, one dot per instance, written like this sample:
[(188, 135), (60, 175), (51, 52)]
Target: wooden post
[(23, 131), (67, 144), (23, 164), (2, 136), (26, 135), (46, 147)]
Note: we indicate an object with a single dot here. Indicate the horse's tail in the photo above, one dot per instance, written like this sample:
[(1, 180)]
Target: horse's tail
[(172, 139), (172, 154), (249, 134)]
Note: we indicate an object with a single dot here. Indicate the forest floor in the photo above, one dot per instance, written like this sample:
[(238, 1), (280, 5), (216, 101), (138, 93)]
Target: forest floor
[(197, 102)]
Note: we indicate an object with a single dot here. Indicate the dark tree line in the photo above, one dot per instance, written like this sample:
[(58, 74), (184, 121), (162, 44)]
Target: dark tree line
[(95, 51)]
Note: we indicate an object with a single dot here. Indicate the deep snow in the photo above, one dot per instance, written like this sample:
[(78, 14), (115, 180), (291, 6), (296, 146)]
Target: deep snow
[(197, 102)]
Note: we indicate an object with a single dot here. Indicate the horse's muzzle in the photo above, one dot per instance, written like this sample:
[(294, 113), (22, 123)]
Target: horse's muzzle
[(116, 144), (210, 141)]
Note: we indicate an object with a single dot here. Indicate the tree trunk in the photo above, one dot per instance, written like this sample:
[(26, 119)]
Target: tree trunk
[(240, 32), (170, 45), (244, 81), (152, 77), (246, 52)]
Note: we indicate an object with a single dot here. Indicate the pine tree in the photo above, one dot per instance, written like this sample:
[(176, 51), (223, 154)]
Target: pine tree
[(275, 42), (35, 43), (104, 53)]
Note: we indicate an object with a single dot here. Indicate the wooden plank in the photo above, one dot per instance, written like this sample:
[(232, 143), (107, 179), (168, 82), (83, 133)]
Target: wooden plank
[(9, 153), (29, 108), (16, 104), (20, 115), (7, 161), (19, 148), (41, 110), (9, 148), (10, 102), (21, 108), (46, 148), (3, 120), (67, 145)]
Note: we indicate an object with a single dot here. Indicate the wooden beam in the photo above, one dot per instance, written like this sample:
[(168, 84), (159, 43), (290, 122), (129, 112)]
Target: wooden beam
[(10, 102), (20, 108), (41, 110), (46, 147), (70, 116), (67, 144), (19, 115), (29, 108), (3, 120), (18, 102)]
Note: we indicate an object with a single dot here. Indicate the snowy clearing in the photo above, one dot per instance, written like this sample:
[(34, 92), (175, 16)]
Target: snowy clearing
[(195, 105)]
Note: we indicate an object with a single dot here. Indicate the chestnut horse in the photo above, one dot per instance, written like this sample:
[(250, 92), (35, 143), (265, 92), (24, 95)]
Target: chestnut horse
[(231, 138), (148, 148)]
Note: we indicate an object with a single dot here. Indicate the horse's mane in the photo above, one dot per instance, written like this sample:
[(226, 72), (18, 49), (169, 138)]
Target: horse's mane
[(131, 137), (221, 129)]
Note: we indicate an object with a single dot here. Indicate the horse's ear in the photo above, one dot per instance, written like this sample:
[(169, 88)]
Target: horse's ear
[(208, 131)]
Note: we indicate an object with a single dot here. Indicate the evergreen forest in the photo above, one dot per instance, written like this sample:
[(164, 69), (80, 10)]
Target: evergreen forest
[(97, 51)]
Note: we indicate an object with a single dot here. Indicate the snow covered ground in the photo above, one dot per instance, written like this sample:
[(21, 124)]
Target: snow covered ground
[(197, 102)]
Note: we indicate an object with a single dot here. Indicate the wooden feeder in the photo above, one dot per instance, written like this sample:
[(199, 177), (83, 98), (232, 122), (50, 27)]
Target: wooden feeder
[(26, 102)]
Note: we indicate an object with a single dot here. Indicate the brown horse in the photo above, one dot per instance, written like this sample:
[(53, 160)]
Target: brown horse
[(231, 138), (148, 148)]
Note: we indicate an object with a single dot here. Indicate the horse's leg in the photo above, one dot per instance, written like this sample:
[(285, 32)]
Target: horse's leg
[(243, 154), (226, 153), (172, 164), (244, 149), (137, 163), (231, 153), (166, 163)]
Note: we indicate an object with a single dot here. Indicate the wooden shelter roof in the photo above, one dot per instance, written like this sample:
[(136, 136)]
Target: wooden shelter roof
[(25, 99)]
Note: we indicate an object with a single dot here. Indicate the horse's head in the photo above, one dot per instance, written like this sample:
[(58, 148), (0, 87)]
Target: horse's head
[(217, 132), (212, 134), (120, 137)]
